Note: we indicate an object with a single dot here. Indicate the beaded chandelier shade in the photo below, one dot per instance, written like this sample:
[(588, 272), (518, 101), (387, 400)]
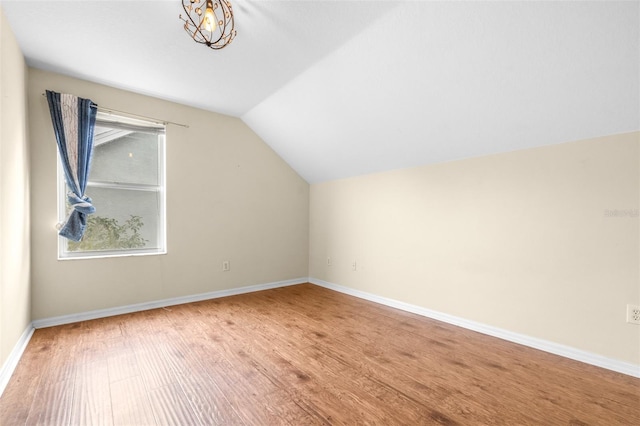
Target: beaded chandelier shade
[(209, 22)]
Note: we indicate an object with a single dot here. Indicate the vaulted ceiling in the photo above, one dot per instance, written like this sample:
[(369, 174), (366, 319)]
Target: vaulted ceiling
[(343, 88)]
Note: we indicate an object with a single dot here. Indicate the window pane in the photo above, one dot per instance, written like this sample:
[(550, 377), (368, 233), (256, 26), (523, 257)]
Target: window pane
[(124, 219), (126, 184), (124, 156)]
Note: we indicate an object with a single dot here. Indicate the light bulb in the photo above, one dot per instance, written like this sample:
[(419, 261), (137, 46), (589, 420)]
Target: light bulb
[(209, 18)]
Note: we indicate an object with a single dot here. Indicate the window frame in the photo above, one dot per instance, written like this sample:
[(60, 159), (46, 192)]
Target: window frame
[(108, 119)]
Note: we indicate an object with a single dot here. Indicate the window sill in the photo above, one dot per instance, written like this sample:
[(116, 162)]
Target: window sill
[(109, 254)]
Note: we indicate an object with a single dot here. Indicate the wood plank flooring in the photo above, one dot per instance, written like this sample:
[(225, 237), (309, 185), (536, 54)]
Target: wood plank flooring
[(300, 355)]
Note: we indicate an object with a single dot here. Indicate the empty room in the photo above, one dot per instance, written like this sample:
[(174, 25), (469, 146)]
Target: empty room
[(319, 212)]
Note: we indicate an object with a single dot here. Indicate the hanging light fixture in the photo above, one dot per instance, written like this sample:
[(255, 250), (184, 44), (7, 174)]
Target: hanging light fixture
[(209, 22)]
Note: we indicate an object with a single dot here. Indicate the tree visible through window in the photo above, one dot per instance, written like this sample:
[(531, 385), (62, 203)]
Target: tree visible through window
[(126, 184)]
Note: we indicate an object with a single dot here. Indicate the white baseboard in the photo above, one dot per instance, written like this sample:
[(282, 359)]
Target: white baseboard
[(11, 363), (544, 345), (103, 313)]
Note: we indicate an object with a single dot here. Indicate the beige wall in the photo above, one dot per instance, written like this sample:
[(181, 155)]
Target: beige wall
[(229, 197), (519, 241), (15, 303)]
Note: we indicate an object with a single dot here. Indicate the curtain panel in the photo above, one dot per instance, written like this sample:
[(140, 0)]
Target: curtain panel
[(74, 121)]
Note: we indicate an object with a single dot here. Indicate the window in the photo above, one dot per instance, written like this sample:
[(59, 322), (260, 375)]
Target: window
[(127, 186)]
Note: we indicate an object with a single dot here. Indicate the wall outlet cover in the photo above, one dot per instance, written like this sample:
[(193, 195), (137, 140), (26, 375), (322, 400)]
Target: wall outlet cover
[(633, 314)]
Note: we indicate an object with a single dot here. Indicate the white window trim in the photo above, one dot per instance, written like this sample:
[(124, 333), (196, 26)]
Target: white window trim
[(63, 254)]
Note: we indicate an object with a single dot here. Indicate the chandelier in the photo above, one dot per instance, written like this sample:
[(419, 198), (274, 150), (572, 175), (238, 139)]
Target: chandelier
[(209, 22)]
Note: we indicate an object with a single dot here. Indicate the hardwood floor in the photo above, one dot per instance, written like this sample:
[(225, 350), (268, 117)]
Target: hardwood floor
[(300, 355)]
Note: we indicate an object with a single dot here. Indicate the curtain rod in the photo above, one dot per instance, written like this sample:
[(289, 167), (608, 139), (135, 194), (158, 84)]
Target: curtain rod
[(108, 110)]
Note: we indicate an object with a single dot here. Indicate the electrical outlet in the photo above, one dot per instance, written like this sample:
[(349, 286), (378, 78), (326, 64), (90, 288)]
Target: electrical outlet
[(633, 314), (354, 266), (328, 261), (226, 266)]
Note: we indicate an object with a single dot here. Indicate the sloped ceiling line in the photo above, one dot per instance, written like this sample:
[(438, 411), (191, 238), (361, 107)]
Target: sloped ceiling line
[(346, 88)]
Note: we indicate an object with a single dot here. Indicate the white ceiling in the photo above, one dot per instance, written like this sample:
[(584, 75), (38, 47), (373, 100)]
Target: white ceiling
[(343, 88)]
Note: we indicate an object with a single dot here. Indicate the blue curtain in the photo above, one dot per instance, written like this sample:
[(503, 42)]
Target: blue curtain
[(74, 120)]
